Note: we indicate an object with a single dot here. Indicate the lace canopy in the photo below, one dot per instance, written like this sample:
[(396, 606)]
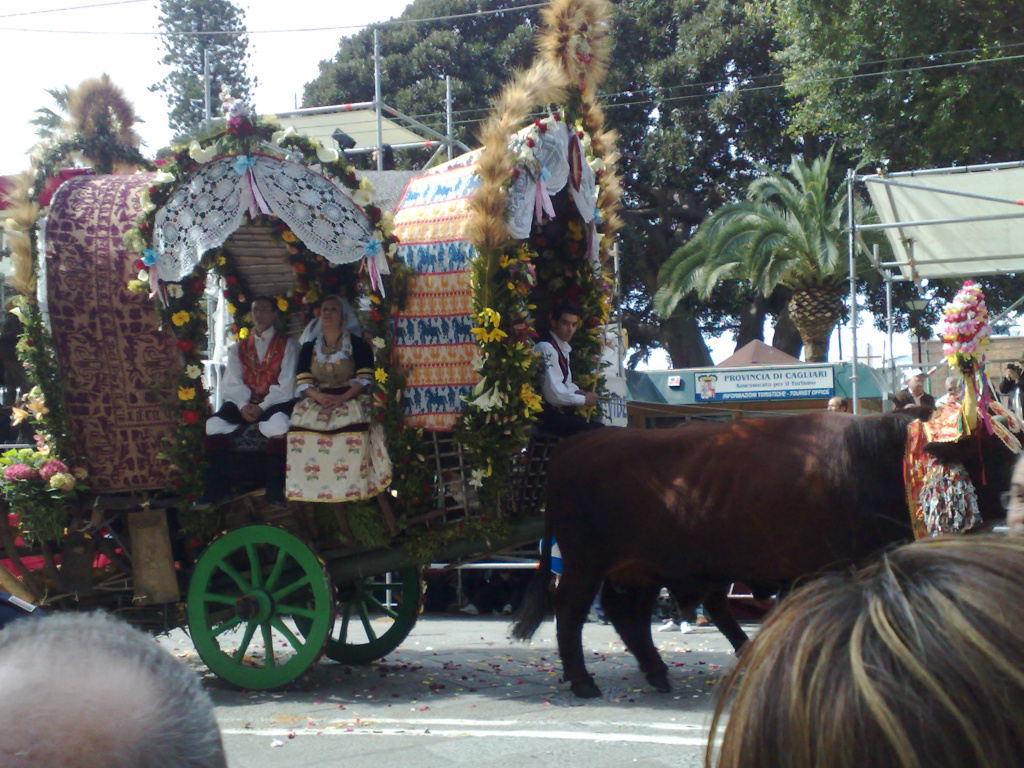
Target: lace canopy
[(558, 159), (208, 206)]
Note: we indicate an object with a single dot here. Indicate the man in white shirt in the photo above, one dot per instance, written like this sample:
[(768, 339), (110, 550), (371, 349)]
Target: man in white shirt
[(561, 397), (258, 390)]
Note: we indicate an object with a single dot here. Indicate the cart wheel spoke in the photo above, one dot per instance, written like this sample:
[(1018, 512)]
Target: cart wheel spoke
[(212, 597), (378, 605), (220, 629), (294, 610), (275, 574), (243, 646), (268, 644), (242, 584), (364, 617), (254, 566), (281, 627), (285, 591)]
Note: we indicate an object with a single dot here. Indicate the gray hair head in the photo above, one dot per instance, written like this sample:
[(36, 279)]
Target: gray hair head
[(91, 691)]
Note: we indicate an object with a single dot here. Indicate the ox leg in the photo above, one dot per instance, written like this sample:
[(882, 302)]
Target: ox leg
[(572, 602), (629, 608), (716, 605)]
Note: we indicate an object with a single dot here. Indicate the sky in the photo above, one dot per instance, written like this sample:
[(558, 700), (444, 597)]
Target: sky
[(58, 43), (46, 47)]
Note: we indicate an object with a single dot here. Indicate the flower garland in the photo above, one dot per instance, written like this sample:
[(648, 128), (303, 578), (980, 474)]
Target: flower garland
[(513, 285), (965, 337), (184, 311)]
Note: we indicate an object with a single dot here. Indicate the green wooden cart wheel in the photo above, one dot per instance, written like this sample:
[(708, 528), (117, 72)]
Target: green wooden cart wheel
[(250, 588), (375, 614)]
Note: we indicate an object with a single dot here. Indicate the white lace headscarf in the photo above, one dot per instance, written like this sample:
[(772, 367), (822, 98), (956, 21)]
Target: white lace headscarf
[(351, 324)]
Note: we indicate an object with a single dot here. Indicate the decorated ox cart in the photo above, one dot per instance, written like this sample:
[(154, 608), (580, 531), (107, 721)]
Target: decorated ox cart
[(131, 273)]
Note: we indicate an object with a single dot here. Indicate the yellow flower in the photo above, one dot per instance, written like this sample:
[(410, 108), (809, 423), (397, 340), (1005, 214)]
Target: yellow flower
[(243, 333), (231, 308), (511, 286), (483, 335), (505, 261), (380, 375), (575, 230), (221, 261), (530, 399), (180, 318), (282, 304), (37, 404), (18, 416), (288, 236), (186, 393), (374, 299), (488, 315)]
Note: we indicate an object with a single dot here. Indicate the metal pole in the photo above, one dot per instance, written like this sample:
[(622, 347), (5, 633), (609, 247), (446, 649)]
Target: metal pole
[(851, 241), (206, 84), (378, 103), (887, 276), (448, 110)]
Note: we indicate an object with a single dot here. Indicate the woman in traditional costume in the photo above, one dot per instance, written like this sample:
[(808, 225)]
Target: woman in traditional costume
[(336, 450)]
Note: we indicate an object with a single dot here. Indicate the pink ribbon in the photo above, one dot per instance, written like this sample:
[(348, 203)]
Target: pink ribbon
[(542, 203), (254, 198)]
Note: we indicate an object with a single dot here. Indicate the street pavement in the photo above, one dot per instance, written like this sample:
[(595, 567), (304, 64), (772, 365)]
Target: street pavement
[(461, 692)]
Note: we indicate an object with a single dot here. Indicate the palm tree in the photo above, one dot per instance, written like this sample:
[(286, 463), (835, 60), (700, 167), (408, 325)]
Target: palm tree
[(788, 233)]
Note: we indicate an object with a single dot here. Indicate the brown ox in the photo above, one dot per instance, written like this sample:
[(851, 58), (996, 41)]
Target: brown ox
[(761, 501)]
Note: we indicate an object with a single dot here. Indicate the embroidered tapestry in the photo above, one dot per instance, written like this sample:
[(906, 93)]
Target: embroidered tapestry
[(119, 367)]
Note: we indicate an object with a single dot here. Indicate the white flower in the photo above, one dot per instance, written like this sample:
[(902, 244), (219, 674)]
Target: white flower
[(490, 400), (361, 197), (596, 165), (278, 136), (364, 183), (143, 276), (145, 202), (378, 343), (193, 371), (175, 291), (387, 222), (200, 155), (392, 249), (325, 155), (476, 478), (163, 177)]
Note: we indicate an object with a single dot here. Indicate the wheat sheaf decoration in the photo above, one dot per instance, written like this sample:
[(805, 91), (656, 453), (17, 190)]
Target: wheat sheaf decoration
[(574, 47)]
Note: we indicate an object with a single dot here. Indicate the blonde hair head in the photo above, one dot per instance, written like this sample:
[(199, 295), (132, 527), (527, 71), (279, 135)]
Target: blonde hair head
[(915, 661)]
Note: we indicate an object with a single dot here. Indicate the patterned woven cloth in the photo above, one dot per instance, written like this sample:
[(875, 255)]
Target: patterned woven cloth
[(433, 338), (119, 368)]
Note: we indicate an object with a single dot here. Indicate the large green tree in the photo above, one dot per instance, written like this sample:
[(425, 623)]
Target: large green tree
[(191, 28), (926, 83)]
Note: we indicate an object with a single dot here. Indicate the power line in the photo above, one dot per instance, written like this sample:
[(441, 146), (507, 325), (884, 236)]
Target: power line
[(216, 33), (72, 8)]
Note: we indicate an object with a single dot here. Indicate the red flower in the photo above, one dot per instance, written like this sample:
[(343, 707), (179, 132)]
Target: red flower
[(373, 212), (299, 267), (160, 162), (380, 417), (185, 345), (139, 266), (375, 315), (515, 174), (240, 126), (350, 178), (540, 126), (558, 117), (144, 225), (231, 280), (198, 286), (189, 417), (531, 143)]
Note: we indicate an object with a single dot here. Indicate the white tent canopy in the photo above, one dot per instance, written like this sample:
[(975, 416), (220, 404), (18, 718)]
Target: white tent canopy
[(952, 222)]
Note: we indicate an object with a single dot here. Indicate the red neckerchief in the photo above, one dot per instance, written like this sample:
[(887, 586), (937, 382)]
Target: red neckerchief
[(260, 375)]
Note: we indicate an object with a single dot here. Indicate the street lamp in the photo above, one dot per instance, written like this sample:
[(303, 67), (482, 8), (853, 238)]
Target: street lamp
[(916, 307)]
